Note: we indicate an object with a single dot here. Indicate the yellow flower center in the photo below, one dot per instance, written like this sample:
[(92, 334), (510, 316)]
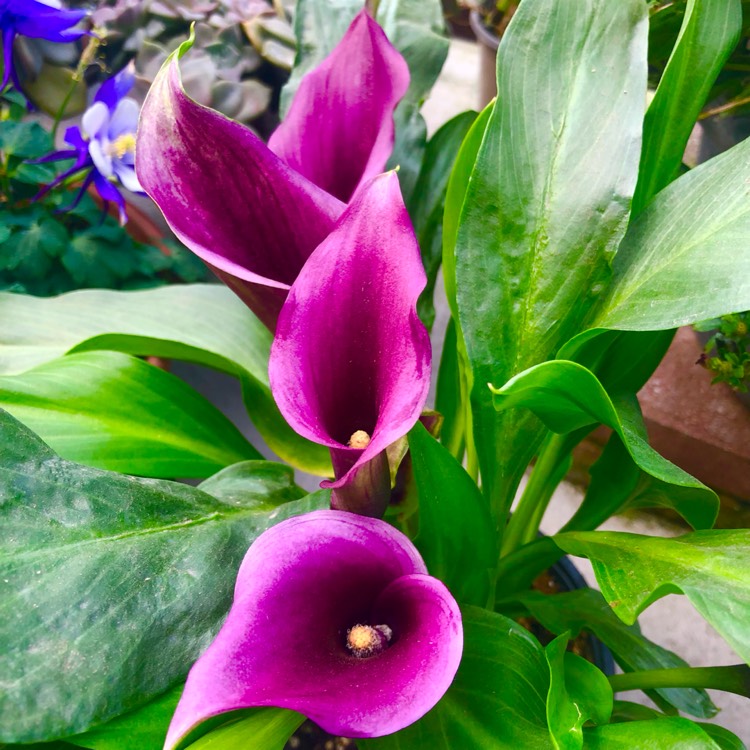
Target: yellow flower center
[(367, 640), (360, 440), (123, 144)]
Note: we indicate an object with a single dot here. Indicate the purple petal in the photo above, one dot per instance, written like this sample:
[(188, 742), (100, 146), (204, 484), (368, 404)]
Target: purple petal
[(75, 138), (339, 130), (236, 205), (350, 352), (124, 118), (302, 585), (115, 88), (110, 194), (41, 21)]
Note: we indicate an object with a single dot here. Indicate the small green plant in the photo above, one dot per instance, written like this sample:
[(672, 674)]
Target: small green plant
[(48, 250), (727, 353)]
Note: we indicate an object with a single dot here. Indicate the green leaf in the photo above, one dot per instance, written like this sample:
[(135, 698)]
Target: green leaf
[(672, 733), (222, 333), (27, 140), (710, 31), (626, 711), (428, 201), (566, 397), (142, 729), (712, 568), (680, 260), (547, 203), (497, 699), (250, 729), (29, 252), (112, 411), (448, 397), (456, 533), (75, 654), (587, 610), (578, 692)]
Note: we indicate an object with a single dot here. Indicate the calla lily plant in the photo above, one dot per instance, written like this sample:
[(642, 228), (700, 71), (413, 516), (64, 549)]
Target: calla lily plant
[(408, 600)]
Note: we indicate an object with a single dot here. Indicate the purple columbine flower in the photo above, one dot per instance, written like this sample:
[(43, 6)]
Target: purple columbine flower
[(254, 214), (104, 147), (334, 616), (350, 361), (40, 19)]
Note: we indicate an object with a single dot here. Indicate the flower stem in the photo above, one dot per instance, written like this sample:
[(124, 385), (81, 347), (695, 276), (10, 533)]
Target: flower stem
[(732, 679), (550, 467), (372, 7)]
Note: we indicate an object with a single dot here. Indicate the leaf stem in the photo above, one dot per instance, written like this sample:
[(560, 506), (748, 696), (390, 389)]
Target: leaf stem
[(372, 7), (732, 679), (550, 467)]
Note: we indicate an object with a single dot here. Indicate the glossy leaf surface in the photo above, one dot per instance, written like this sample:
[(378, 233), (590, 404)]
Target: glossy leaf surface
[(578, 692), (223, 335), (712, 568), (547, 202), (566, 396), (586, 610), (115, 412), (77, 655), (456, 534), (710, 31), (673, 733)]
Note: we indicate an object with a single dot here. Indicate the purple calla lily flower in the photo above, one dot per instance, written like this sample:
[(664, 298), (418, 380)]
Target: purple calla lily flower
[(350, 362), (37, 19), (334, 616), (105, 147), (254, 214)]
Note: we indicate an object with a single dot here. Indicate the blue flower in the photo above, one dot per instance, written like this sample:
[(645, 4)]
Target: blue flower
[(41, 19), (104, 146)]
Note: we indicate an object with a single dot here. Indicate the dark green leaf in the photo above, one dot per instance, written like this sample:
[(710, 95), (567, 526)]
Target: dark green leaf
[(712, 568), (672, 733), (456, 533), (28, 252), (142, 729), (586, 610), (498, 699), (222, 333), (27, 140), (578, 692), (112, 585), (112, 411), (34, 174), (547, 203), (680, 261), (710, 31), (448, 398), (566, 396), (428, 201)]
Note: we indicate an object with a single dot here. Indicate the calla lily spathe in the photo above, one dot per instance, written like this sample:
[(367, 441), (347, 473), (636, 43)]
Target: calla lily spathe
[(255, 213), (335, 617), (350, 361)]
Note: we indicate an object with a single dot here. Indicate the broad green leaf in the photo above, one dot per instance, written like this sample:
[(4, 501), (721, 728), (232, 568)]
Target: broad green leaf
[(112, 585), (414, 27), (710, 31), (626, 711), (27, 140), (672, 733), (680, 261), (456, 533), (586, 610), (112, 411), (428, 201), (578, 692), (497, 700), (712, 568), (566, 397), (142, 729), (547, 203), (250, 729), (201, 323), (29, 252)]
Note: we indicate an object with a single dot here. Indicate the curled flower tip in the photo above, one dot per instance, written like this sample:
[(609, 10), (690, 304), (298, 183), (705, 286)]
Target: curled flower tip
[(382, 644)]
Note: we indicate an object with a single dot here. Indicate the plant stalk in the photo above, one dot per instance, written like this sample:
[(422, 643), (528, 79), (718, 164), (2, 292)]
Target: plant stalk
[(732, 679)]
